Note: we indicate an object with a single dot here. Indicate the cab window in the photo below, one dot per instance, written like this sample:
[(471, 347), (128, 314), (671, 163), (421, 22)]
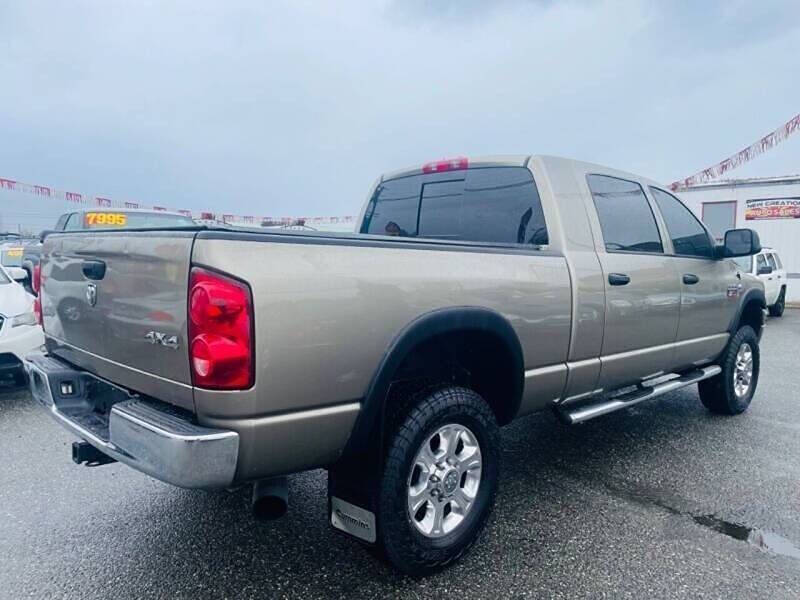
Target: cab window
[(62, 220), (74, 222), (626, 219), (689, 237), (771, 261)]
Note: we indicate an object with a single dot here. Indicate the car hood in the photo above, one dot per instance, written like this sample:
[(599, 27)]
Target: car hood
[(14, 300)]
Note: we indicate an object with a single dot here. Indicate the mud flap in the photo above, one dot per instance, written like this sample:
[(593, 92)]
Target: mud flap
[(352, 498)]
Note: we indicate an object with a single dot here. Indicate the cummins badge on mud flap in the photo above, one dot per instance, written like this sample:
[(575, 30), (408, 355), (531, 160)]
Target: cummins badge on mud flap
[(353, 519)]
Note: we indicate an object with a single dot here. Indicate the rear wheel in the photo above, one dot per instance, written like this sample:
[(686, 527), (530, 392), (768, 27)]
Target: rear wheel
[(439, 480), (776, 310), (20, 379), (730, 392)]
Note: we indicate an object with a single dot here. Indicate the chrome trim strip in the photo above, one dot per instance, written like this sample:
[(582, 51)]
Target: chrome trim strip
[(648, 349), (313, 413), (548, 370), (582, 396)]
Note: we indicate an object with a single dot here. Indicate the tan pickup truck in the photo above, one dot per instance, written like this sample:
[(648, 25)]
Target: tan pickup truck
[(474, 291)]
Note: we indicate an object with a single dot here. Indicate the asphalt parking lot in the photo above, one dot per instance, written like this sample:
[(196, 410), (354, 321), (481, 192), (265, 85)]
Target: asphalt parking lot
[(663, 500)]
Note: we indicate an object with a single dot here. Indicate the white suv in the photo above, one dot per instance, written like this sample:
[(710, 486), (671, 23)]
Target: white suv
[(768, 268)]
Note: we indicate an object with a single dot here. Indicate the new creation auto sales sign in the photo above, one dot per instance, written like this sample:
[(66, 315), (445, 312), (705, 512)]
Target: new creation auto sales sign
[(774, 208)]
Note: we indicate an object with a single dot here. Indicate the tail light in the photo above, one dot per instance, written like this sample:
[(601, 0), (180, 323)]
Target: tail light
[(447, 164), (36, 285), (37, 309), (220, 331), (36, 281)]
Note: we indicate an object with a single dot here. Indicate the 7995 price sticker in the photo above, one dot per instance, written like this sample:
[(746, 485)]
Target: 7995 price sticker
[(105, 219)]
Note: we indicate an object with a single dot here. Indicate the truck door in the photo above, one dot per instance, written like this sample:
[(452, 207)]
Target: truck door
[(642, 292), (769, 279), (709, 287)]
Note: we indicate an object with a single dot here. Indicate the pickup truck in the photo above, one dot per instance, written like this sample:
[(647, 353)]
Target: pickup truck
[(767, 266), (474, 291)]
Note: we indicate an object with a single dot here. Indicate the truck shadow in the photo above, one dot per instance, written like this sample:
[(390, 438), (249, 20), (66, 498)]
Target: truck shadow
[(548, 471)]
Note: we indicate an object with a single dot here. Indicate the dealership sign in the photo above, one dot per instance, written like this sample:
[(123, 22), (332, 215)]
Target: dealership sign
[(774, 208)]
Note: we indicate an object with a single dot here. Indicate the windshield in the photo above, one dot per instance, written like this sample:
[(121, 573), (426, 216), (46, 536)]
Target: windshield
[(11, 257), (745, 263)]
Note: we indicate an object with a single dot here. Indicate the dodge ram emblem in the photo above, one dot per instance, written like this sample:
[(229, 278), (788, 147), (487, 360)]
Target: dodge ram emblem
[(91, 294), (162, 339)]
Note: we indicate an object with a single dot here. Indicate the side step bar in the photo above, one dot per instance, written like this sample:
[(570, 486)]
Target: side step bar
[(586, 412)]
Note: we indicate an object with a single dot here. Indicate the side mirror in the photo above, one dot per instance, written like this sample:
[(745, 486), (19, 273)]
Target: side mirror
[(764, 270), (741, 242), (44, 234), (17, 274)]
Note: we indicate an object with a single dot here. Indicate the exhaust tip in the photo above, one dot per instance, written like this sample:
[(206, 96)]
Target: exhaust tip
[(269, 508), (270, 499)]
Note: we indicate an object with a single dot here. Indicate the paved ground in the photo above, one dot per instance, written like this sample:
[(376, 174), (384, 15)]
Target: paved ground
[(664, 500)]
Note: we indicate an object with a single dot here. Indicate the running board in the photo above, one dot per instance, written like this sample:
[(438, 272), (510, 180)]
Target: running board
[(586, 412)]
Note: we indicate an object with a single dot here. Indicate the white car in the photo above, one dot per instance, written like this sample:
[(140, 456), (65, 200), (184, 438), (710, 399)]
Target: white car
[(19, 331), (767, 266)]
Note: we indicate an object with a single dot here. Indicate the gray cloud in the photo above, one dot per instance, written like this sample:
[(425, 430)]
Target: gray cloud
[(295, 107)]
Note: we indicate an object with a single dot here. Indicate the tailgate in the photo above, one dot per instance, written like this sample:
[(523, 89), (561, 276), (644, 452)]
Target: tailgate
[(116, 305)]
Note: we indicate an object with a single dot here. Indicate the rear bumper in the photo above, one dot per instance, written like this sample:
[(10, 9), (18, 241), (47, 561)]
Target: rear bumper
[(149, 436)]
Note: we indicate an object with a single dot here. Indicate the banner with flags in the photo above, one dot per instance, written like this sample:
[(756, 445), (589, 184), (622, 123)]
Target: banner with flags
[(12, 185), (729, 164)]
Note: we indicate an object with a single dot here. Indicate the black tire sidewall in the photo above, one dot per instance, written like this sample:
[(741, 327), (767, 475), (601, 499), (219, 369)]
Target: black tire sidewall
[(776, 310), (404, 545), (734, 403)]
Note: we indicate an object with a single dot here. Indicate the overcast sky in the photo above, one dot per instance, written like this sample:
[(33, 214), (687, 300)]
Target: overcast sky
[(295, 107)]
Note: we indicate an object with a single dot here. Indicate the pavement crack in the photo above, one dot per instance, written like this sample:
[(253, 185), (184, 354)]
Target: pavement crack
[(762, 539)]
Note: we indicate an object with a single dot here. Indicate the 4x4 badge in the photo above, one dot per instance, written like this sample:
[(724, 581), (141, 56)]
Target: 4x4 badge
[(162, 339)]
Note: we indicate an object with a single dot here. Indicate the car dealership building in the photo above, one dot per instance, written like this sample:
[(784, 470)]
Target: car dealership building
[(769, 205)]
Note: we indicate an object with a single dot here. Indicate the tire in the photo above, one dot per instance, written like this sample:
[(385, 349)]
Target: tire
[(776, 310), (720, 394), (421, 433), (20, 379)]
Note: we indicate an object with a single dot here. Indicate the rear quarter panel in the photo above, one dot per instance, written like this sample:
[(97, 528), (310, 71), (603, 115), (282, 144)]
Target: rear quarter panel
[(326, 314)]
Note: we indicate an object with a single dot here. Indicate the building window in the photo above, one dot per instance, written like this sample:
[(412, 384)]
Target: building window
[(719, 217)]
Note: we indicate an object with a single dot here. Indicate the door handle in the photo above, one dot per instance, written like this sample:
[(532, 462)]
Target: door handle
[(690, 279), (618, 279), (94, 269)]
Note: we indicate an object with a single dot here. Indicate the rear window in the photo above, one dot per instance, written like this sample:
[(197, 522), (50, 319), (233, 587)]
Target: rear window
[(498, 205), (129, 220)]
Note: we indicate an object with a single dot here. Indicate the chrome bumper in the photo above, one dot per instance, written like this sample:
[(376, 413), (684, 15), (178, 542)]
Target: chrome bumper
[(149, 436)]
